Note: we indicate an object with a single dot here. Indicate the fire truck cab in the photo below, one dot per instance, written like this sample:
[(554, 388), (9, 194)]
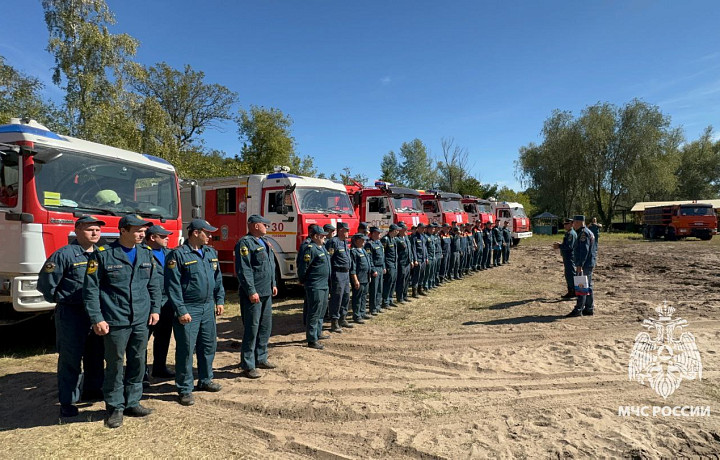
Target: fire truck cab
[(478, 209), (514, 213), (443, 207), (47, 181), (386, 204), (292, 203)]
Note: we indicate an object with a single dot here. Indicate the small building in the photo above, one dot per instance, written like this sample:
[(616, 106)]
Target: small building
[(545, 224)]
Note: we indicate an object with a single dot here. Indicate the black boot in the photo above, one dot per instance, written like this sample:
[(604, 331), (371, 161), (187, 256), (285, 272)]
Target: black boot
[(414, 292), (335, 326)]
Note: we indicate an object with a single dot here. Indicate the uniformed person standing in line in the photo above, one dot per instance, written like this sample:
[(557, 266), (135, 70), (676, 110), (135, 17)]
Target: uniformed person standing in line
[(300, 253), (363, 228), (487, 246), (389, 242), (156, 238), (462, 251), (314, 274), (61, 281), (594, 227), (340, 262), (478, 239), (470, 251), (255, 270), (360, 277), (445, 246), (566, 249), (122, 296), (584, 261), (507, 240), (430, 248), (377, 257), (330, 230), (405, 263), (454, 253), (438, 257), (497, 244), (419, 248), (194, 285)]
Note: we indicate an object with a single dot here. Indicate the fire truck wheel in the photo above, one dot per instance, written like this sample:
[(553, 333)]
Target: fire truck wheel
[(515, 241)]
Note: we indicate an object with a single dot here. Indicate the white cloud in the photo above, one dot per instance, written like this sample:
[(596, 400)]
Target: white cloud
[(386, 80)]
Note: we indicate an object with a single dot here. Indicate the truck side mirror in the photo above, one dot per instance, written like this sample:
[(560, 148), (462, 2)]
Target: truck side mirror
[(195, 197)]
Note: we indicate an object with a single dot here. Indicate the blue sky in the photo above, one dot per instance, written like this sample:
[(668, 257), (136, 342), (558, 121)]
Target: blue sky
[(361, 78)]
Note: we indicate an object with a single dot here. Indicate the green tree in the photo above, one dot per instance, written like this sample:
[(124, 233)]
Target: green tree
[(416, 168), (390, 169), (85, 52), (20, 96), (348, 178), (267, 142), (698, 171), (192, 104), (472, 186)]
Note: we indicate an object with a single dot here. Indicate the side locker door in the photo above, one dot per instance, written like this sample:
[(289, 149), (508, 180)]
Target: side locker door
[(283, 227), (373, 215)]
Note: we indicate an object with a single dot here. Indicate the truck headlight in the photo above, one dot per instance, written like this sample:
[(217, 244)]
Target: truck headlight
[(28, 285), (31, 300)]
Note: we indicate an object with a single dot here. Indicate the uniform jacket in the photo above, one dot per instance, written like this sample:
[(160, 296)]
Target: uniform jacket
[(192, 280), (360, 264), (314, 267), (507, 235), (61, 278), (404, 251), (568, 244), (390, 249), (119, 293), (161, 272), (584, 251), (419, 250), (339, 251), (377, 255), (255, 266)]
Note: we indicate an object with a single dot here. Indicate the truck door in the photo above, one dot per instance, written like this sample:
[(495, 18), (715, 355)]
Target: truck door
[(283, 227), (378, 212), (432, 211), (224, 209)]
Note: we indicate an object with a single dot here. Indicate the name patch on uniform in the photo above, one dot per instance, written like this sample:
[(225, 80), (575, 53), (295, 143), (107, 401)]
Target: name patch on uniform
[(92, 267), (190, 262), (260, 249), (79, 263), (49, 267)]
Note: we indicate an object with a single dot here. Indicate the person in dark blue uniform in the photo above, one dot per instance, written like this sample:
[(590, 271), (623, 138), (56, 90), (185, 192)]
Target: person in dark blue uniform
[(60, 281), (405, 263), (438, 257), (487, 246), (566, 249), (430, 250), (300, 253), (497, 244), (444, 238), (156, 238), (479, 244), (389, 243), (340, 262), (122, 296), (314, 274), (584, 262), (419, 248), (507, 243), (377, 256), (193, 281), (360, 277), (255, 270)]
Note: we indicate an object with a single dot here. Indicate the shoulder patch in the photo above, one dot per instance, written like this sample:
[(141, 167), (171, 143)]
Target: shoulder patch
[(244, 251), (92, 267), (307, 257), (172, 264), (583, 237), (49, 267), (331, 251)]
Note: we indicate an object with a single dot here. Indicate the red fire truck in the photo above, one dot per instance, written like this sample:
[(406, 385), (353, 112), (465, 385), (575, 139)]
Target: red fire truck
[(292, 203), (443, 207), (47, 181), (514, 213), (478, 209), (386, 204)]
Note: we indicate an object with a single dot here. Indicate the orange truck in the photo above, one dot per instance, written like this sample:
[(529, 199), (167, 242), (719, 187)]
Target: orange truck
[(680, 221)]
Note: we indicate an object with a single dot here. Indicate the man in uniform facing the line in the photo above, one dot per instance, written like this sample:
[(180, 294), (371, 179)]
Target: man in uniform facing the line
[(419, 250), (377, 258), (566, 249), (584, 262), (194, 285), (389, 242), (507, 242), (122, 296), (360, 277), (314, 274), (405, 263), (61, 282)]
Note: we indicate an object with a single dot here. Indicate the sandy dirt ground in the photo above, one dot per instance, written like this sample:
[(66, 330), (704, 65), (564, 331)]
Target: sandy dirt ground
[(482, 367)]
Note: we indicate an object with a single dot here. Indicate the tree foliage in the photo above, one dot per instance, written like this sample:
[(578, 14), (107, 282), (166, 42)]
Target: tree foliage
[(20, 96), (390, 169), (416, 170), (698, 171), (192, 105)]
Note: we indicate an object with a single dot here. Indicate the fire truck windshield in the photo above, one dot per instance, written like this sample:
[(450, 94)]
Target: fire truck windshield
[(74, 181), (451, 206), (406, 204), (323, 201), (518, 212), (485, 208)]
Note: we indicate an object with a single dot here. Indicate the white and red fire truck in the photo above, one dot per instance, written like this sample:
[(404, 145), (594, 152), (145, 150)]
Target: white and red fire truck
[(386, 204), (478, 209), (48, 180), (443, 207), (292, 203), (514, 213)]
